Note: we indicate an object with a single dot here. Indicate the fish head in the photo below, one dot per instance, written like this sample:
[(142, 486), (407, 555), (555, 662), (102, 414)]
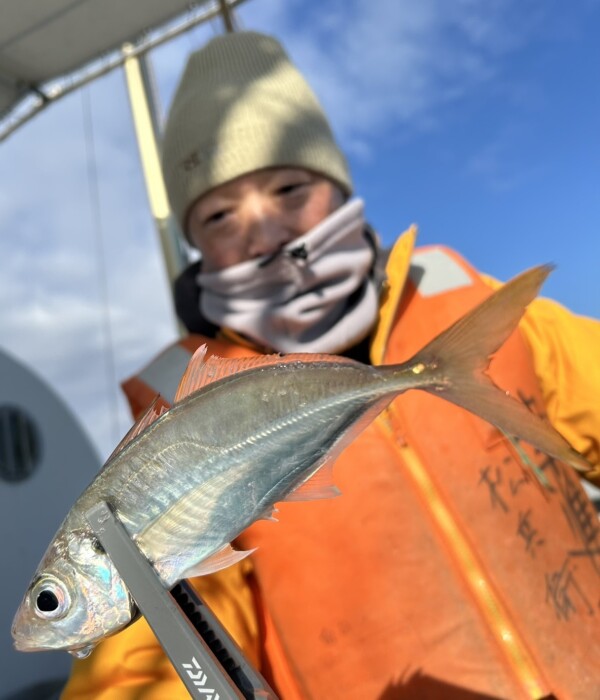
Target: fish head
[(75, 599)]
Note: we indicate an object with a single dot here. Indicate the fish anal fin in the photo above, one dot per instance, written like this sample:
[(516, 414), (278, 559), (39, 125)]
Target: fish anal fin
[(221, 559), (153, 412), (319, 485), (270, 514), (201, 372)]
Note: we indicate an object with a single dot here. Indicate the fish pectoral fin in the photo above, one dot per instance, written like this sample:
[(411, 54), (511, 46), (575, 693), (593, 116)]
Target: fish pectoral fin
[(319, 485), (221, 559)]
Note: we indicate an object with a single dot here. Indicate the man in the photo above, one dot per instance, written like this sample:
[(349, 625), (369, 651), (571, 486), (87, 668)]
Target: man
[(444, 570)]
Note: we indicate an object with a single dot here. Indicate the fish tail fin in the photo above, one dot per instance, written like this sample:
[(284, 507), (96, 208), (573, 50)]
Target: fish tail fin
[(453, 366)]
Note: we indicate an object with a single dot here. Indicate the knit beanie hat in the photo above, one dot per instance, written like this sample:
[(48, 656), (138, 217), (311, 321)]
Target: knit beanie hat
[(241, 105)]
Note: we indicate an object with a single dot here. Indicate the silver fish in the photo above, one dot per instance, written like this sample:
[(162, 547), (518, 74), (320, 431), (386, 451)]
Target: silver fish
[(241, 436)]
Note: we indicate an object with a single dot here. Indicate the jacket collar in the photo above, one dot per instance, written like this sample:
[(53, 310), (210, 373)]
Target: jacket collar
[(396, 274)]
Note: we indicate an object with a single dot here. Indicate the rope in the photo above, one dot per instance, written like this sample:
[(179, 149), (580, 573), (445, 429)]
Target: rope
[(98, 233)]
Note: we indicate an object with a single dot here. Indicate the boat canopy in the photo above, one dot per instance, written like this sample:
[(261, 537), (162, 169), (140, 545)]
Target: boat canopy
[(50, 48)]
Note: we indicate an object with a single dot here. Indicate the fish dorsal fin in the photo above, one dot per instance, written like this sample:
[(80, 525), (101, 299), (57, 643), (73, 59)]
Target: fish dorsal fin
[(200, 371), (319, 485), (189, 381), (221, 559), (153, 412)]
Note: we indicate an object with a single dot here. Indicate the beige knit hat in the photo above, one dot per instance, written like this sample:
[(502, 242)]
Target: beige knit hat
[(240, 106)]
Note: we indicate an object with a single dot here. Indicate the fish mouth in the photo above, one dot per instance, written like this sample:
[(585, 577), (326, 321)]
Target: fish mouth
[(22, 645), (80, 652), (19, 642), (23, 641)]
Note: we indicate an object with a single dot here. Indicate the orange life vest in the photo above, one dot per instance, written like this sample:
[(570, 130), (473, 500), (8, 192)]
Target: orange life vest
[(445, 569)]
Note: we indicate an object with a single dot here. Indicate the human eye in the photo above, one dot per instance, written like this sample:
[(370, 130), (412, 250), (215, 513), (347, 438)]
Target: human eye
[(215, 217), (291, 188), (294, 189)]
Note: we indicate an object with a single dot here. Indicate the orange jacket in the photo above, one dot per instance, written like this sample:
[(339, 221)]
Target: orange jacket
[(443, 566)]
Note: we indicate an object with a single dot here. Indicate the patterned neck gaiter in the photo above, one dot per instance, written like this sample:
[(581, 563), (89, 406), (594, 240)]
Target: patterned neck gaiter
[(315, 294)]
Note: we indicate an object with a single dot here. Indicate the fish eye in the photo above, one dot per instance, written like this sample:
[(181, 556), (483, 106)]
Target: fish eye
[(47, 601), (50, 599), (97, 546)]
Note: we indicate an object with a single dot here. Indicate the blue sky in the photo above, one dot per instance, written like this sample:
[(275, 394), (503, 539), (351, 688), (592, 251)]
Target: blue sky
[(484, 129), (477, 121)]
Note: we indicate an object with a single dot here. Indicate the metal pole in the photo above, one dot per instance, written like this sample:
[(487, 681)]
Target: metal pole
[(227, 15), (142, 97), (38, 97), (145, 118)]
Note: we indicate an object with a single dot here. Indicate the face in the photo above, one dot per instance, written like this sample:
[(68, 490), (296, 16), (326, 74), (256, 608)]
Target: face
[(75, 599), (258, 213)]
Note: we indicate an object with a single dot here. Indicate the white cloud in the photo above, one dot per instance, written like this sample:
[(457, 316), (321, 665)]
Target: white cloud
[(391, 63), (52, 309)]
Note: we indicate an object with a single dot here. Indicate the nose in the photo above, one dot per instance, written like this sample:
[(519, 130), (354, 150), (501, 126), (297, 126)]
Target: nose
[(266, 237), (266, 231)]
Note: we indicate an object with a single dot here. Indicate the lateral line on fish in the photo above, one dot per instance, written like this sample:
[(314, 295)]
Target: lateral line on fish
[(232, 449), (252, 439)]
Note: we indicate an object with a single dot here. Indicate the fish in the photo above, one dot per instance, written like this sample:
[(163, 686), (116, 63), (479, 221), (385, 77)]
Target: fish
[(241, 436)]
